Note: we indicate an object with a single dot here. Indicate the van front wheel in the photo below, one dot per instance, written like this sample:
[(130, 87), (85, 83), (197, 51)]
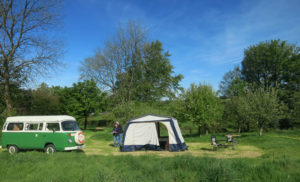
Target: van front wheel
[(12, 149), (50, 149)]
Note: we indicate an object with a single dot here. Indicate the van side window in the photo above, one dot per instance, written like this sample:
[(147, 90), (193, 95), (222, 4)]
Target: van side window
[(52, 126), (31, 126), (15, 126), (40, 126)]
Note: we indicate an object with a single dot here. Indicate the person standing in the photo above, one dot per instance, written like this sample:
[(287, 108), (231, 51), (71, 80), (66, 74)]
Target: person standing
[(117, 132)]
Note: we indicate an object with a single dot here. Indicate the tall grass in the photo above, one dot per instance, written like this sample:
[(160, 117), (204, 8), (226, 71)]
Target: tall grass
[(35, 166), (280, 162)]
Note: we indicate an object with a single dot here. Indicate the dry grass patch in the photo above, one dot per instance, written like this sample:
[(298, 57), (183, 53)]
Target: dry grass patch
[(96, 147)]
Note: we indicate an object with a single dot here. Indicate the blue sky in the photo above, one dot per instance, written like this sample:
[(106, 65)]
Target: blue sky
[(205, 38)]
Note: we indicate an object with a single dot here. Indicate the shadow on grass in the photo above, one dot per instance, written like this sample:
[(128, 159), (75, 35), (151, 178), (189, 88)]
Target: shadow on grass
[(206, 149), (77, 151)]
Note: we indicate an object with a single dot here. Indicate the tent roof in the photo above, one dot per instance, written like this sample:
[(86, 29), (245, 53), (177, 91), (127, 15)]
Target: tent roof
[(151, 117)]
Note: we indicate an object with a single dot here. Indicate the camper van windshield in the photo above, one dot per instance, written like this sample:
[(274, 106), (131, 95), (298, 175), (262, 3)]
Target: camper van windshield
[(70, 126)]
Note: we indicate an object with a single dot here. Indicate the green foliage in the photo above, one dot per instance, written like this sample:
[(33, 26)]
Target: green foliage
[(83, 99), (296, 109), (259, 108), (125, 112), (265, 109), (236, 114), (272, 63), (149, 79), (232, 83), (202, 107), (132, 68), (44, 101), (155, 80)]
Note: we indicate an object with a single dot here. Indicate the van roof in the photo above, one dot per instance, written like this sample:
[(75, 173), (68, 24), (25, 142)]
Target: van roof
[(54, 118)]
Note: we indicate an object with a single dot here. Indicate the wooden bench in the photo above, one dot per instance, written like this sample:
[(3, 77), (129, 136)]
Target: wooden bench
[(100, 128)]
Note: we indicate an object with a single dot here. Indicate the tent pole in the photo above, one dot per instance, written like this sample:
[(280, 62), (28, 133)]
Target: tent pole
[(158, 130)]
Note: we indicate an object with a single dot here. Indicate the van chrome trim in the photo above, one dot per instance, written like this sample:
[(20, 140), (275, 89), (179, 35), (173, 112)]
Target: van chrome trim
[(75, 148)]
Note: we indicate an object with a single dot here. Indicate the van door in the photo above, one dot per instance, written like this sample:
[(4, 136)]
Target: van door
[(39, 137), (54, 135), (33, 135)]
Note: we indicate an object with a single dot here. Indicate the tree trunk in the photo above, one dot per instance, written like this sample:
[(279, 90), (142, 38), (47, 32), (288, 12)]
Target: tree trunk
[(199, 131), (239, 130), (85, 122), (206, 131), (248, 126), (260, 131), (7, 89)]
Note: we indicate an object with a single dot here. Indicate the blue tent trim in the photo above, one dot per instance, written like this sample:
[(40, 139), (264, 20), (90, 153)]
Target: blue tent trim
[(178, 147), (131, 148), (173, 147)]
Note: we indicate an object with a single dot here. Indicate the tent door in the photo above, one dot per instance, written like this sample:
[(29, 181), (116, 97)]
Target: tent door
[(163, 140)]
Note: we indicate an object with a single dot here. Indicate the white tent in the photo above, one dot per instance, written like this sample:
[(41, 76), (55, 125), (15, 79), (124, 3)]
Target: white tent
[(143, 132)]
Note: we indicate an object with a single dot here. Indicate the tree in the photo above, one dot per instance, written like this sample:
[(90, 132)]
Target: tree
[(202, 107), (112, 64), (272, 63), (132, 68), (237, 113), (24, 48), (265, 109), (155, 78), (82, 99), (294, 112), (232, 83), (44, 101)]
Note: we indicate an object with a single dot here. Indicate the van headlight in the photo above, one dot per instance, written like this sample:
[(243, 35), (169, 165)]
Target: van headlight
[(69, 140)]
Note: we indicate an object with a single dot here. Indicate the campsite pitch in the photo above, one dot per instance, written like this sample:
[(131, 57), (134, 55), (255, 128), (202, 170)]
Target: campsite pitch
[(97, 146)]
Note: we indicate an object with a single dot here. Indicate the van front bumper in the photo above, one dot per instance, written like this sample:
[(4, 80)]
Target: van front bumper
[(75, 148)]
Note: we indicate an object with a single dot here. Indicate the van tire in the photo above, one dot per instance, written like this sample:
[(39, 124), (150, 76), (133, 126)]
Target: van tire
[(12, 149), (50, 149)]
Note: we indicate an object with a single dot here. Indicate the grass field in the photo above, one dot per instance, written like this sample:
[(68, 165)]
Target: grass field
[(272, 157)]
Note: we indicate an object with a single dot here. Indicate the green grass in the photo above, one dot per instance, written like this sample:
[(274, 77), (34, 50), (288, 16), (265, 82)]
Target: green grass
[(280, 161)]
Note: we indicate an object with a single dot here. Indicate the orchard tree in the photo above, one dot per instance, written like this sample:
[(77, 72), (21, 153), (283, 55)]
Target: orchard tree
[(265, 109), (202, 107), (24, 49)]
